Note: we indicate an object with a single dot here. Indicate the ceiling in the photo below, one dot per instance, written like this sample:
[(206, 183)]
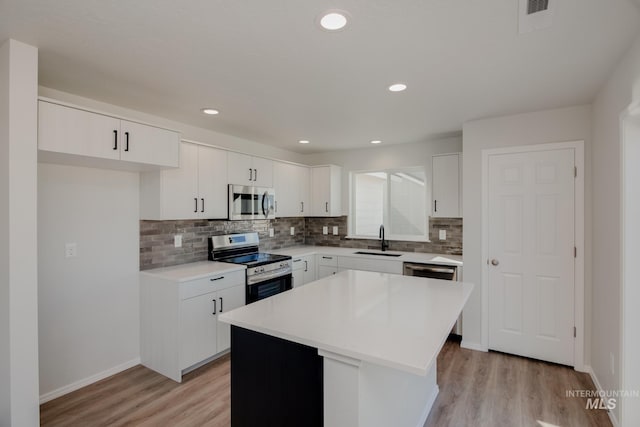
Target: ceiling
[(277, 78)]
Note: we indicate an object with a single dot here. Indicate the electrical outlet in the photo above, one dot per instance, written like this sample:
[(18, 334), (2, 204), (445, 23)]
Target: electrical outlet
[(325, 230), (70, 250), (177, 241), (442, 234), (335, 230), (292, 231), (271, 232)]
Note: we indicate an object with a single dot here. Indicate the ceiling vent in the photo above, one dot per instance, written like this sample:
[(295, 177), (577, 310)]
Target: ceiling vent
[(535, 6), (535, 15)]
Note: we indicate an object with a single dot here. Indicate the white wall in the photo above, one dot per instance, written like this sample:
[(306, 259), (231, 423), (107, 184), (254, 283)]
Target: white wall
[(384, 157), (560, 125), (89, 305), (18, 240), (622, 88), (188, 132)]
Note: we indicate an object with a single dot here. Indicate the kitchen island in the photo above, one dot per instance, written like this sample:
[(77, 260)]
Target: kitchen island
[(354, 349)]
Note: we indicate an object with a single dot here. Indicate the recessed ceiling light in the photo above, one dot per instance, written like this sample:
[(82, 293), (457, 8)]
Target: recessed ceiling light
[(210, 111), (376, 141), (303, 141), (333, 20), (397, 87)]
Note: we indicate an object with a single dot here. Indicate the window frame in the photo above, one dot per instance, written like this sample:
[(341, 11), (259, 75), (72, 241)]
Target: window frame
[(351, 224)]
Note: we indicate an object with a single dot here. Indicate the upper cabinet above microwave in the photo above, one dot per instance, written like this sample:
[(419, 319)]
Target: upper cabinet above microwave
[(249, 170), (73, 135), (447, 186)]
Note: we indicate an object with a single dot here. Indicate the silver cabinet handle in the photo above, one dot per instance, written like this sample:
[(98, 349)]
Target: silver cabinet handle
[(250, 174), (301, 206), (255, 174), (326, 206)]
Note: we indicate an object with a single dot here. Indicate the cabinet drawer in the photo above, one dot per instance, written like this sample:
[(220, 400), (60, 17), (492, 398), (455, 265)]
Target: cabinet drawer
[(212, 283), (328, 260)]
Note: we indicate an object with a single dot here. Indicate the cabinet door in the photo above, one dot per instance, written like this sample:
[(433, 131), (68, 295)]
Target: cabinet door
[(321, 189), (446, 186), (240, 169), (309, 269), (148, 144), (325, 270), (198, 329), (297, 278), (179, 197), (69, 130), (228, 299), (262, 172), (284, 186), (212, 182), (304, 190)]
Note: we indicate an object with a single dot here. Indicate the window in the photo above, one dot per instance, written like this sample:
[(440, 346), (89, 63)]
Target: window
[(395, 198)]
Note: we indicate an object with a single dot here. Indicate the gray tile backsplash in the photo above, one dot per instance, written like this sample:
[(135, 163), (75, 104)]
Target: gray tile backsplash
[(157, 249)]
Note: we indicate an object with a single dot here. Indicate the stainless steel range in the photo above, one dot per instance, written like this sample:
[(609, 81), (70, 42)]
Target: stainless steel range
[(267, 274)]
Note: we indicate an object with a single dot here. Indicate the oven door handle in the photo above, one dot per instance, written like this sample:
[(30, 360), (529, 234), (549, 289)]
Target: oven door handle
[(431, 269), (266, 277)]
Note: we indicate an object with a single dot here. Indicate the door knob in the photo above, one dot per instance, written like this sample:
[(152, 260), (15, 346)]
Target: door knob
[(495, 262)]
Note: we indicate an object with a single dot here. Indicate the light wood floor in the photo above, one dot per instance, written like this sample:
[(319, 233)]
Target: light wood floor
[(476, 389)]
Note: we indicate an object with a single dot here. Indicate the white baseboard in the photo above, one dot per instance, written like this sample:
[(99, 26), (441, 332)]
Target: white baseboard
[(89, 380), (472, 346), (596, 382)]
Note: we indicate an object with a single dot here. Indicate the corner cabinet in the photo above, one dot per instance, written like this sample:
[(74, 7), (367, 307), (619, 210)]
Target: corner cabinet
[(326, 184), (249, 170), (292, 185), (197, 189), (446, 185), (179, 328), (76, 136)]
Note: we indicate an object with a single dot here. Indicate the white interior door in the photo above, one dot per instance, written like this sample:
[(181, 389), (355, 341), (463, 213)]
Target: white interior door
[(531, 254)]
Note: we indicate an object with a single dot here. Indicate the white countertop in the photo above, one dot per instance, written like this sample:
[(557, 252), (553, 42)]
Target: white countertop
[(193, 271), (396, 321), (297, 251)]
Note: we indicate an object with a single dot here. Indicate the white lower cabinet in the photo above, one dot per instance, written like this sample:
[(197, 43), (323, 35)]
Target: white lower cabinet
[(179, 326), (327, 265), (304, 270)]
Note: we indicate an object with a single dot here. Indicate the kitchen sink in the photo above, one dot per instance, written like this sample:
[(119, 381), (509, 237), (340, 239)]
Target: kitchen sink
[(376, 253)]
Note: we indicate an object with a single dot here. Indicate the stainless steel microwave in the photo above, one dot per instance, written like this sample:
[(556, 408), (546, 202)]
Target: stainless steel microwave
[(247, 202)]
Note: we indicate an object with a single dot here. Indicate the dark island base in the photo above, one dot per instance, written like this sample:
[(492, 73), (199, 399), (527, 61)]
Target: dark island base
[(274, 382)]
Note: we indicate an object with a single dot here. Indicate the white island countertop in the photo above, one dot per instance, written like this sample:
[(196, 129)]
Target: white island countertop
[(390, 320)]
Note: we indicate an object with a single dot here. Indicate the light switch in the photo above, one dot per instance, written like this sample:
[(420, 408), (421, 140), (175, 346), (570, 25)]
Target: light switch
[(271, 232), (293, 231), (177, 241), (335, 230), (325, 230), (70, 250), (443, 235)]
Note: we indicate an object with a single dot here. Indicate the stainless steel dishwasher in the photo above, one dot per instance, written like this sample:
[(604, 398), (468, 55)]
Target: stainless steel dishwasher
[(435, 271)]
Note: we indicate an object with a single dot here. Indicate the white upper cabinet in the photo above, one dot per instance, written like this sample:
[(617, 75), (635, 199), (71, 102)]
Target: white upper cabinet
[(326, 182), (292, 187), (249, 170), (197, 189), (446, 185), (72, 132)]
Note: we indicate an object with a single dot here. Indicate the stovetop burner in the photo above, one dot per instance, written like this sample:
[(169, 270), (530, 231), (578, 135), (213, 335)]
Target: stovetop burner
[(254, 259)]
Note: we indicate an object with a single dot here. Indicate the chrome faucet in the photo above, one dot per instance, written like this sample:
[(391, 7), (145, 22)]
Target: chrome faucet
[(384, 244)]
